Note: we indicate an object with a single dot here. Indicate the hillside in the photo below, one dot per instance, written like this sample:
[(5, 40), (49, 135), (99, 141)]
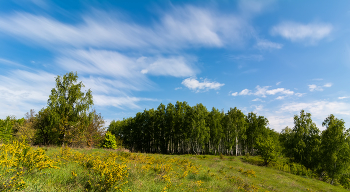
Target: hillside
[(111, 170)]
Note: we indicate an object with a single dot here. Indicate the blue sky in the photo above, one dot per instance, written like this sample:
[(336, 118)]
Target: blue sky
[(270, 57)]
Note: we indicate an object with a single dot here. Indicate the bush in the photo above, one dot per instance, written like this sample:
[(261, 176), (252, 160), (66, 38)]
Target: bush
[(110, 141)]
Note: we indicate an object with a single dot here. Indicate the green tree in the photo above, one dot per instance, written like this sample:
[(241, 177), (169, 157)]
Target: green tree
[(235, 130), (94, 132), (305, 143), (199, 132), (162, 128), (214, 123), (267, 148), (9, 128), (286, 139), (46, 128), (335, 147), (256, 127), (70, 106)]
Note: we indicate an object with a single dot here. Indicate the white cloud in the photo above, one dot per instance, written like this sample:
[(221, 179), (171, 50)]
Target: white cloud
[(280, 97), (265, 44), (11, 63), (173, 66), (278, 83), (177, 88), (279, 90), (177, 28), (343, 97), (320, 109), (234, 94), (314, 87), (130, 72), (258, 108), (328, 85), (299, 94), (119, 102), (195, 85), (21, 91), (311, 32), (279, 122), (263, 91), (257, 99), (245, 92)]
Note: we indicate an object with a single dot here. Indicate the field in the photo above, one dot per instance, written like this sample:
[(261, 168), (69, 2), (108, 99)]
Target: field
[(25, 168)]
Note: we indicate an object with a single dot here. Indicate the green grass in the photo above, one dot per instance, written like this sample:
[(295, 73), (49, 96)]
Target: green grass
[(215, 173)]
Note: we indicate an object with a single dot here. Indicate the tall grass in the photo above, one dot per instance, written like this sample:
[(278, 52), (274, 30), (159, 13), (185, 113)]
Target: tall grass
[(25, 168)]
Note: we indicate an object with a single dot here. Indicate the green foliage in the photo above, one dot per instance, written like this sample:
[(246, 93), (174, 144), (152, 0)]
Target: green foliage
[(8, 128), (256, 128), (46, 126), (69, 106), (234, 129), (25, 130), (335, 151), (110, 141), (267, 148), (303, 141)]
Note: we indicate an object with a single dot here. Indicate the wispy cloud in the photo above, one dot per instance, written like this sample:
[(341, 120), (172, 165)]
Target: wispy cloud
[(309, 33), (179, 27), (119, 102), (265, 44), (245, 92), (21, 91), (280, 121), (205, 85), (263, 91), (314, 87), (130, 72), (319, 109), (173, 66), (11, 63), (280, 97), (257, 99), (343, 97), (328, 85), (299, 94), (252, 57)]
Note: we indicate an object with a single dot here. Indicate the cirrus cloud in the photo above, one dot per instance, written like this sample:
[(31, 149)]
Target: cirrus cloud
[(311, 32)]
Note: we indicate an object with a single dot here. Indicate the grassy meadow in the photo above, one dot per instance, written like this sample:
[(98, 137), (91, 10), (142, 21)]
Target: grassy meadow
[(25, 168)]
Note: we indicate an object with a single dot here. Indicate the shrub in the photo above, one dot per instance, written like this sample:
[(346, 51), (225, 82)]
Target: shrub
[(110, 141)]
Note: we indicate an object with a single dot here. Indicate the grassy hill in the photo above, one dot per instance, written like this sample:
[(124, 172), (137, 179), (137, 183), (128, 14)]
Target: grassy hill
[(112, 170)]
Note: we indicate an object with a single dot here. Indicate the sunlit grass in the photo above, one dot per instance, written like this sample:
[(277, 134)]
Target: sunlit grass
[(68, 169)]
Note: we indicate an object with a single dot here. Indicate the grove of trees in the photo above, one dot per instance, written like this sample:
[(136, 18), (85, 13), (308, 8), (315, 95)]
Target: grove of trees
[(182, 129)]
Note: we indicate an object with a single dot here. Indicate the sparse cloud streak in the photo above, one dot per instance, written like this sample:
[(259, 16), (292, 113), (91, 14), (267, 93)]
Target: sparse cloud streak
[(197, 86), (310, 33)]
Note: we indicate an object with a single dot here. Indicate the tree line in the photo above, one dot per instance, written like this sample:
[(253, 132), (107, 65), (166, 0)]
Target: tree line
[(182, 129)]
